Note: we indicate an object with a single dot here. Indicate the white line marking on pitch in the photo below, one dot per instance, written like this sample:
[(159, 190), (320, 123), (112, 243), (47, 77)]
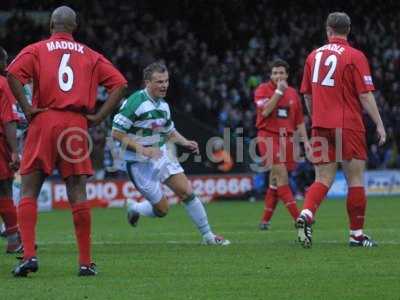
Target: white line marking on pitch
[(197, 242)]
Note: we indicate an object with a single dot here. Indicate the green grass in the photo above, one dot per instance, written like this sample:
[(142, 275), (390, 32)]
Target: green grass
[(162, 258)]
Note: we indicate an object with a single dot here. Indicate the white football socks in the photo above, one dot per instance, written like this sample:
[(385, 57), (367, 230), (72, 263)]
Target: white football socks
[(144, 208), (197, 213)]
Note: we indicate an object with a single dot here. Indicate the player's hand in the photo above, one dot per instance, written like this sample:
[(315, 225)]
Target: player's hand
[(93, 120), (14, 164), (380, 130), (150, 152), (308, 150), (32, 111), (192, 146), (282, 85)]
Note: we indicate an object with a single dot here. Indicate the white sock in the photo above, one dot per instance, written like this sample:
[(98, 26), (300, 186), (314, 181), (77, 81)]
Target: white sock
[(144, 208), (358, 232), (307, 213), (197, 213)]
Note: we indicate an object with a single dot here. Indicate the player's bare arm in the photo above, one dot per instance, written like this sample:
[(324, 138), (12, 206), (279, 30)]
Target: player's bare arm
[(271, 104), (179, 139), (369, 104), (307, 100), (18, 91), (11, 137), (301, 128), (113, 100), (131, 144)]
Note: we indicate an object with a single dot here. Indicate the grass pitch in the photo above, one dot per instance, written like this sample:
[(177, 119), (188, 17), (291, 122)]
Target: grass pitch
[(162, 258)]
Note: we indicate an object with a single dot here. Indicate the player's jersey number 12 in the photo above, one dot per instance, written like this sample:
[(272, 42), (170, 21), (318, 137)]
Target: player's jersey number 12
[(331, 62), (65, 74)]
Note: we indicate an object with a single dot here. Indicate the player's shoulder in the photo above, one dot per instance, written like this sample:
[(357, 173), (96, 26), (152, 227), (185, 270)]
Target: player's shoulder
[(312, 54), (3, 82), (31, 48), (164, 104), (261, 89), (292, 90), (135, 100), (357, 54)]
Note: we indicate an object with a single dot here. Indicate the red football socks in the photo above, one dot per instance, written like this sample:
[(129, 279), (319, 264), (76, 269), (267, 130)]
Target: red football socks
[(270, 202), (82, 223), (285, 193), (356, 206), (9, 214), (27, 219), (314, 196)]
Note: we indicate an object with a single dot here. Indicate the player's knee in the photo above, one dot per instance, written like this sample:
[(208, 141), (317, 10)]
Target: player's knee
[(160, 212), (325, 180), (280, 175), (355, 179)]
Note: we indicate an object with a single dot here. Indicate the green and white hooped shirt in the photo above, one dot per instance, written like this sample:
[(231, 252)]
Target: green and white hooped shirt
[(144, 119)]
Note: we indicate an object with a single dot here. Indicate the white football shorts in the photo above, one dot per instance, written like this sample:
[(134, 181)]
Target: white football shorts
[(148, 176)]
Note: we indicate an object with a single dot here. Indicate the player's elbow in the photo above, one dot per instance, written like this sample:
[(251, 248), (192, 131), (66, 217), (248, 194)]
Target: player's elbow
[(12, 80), (364, 97), (122, 89), (266, 112)]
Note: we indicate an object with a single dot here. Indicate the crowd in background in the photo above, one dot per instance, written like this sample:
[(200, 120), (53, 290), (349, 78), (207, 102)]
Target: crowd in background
[(218, 52)]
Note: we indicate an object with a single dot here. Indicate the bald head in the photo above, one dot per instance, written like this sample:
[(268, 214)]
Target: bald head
[(63, 19)]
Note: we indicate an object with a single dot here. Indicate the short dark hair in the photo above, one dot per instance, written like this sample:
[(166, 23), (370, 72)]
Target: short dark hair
[(280, 63), (158, 67), (339, 21)]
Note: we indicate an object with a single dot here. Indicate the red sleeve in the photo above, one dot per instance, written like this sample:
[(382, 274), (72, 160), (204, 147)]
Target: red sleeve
[(362, 74), (299, 111), (108, 75), (260, 96), (8, 110), (306, 82), (23, 66)]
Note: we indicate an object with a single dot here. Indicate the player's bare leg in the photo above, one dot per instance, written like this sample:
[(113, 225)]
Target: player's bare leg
[(180, 185), (356, 203), (8, 212), (324, 176), (270, 201), (76, 191), (31, 185), (147, 209), (284, 191)]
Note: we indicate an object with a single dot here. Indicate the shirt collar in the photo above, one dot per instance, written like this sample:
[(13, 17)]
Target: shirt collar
[(63, 35), (155, 101), (272, 84), (338, 40)]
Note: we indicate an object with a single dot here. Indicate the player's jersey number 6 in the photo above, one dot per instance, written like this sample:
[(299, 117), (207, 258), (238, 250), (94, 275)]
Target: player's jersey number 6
[(331, 62), (65, 74)]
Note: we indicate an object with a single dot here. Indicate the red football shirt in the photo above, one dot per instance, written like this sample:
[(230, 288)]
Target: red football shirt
[(65, 73), (335, 75), (8, 111), (287, 114)]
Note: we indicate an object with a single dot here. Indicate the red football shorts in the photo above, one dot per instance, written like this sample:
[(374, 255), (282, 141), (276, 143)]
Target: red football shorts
[(275, 149), (336, 145), (57, 139), (5, 158)]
